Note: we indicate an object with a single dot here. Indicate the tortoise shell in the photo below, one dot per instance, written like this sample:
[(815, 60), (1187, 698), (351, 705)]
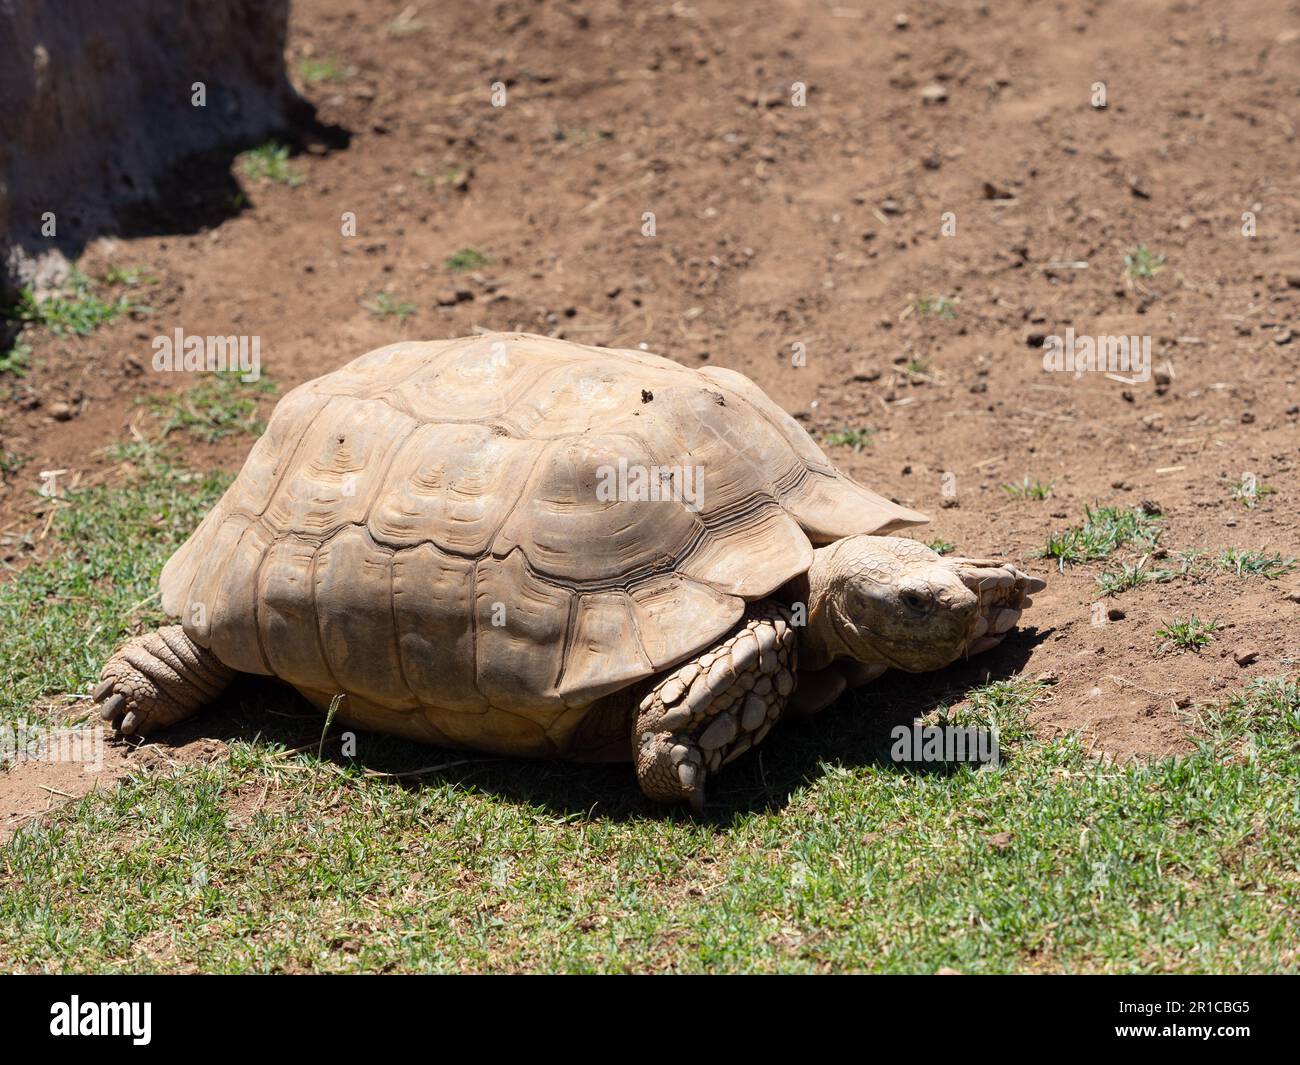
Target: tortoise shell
[(476, 540)]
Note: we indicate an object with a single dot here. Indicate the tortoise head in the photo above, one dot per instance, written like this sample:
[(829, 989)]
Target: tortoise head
[(893, 602)]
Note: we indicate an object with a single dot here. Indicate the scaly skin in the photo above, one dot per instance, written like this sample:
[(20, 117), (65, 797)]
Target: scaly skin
[(158, 679), (710, 710), (873, 603)]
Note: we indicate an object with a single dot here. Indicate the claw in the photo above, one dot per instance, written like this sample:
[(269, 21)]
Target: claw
[(113, 706)]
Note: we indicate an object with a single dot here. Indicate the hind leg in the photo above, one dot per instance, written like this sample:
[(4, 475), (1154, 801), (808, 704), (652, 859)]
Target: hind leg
[(158, 679)]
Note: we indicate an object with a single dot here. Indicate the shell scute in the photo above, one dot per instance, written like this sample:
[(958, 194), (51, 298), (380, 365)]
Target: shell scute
[(452, 485), (340, 466)]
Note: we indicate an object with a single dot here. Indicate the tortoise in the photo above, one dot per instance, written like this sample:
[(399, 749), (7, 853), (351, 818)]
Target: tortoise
[(531, 547)]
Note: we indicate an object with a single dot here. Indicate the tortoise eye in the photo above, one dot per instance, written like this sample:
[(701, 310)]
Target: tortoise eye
[(916, 602)]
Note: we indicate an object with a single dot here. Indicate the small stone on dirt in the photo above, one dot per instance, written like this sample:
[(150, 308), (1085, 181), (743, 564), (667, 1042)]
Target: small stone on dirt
[(1244, 656)]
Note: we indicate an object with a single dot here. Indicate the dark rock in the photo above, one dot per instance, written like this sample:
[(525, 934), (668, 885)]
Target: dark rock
[(100, 107)]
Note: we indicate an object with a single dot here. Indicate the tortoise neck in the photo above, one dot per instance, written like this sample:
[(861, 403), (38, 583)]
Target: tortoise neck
[(822, 641)]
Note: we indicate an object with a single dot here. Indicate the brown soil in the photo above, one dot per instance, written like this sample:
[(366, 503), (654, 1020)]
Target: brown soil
[(32, 788), (818, 225)]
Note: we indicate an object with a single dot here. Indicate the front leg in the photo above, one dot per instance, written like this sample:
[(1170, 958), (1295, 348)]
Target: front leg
[(818, 688), (1003, 592), (711, 709)]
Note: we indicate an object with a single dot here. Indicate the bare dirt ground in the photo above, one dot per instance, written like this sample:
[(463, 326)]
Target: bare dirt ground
[(816, 225)]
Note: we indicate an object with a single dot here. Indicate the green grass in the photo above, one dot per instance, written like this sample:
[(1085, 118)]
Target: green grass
[(1103, 531), (1246, 713), (1249, 492), (75, 308), (941, 546), (17, 360), (1141, 262), (130, 276), (60, 617), (466, 259), (449, 175), (938, 306), (270, 162), (857, 439), (264, 863), (1192, 634), (1195, 565), (10, 461), (1244, 564), (383, 305), (314, 69), (1025, 490), (1254, 564), (217, 406), (453, 174), (817, 854), (1129, 575)]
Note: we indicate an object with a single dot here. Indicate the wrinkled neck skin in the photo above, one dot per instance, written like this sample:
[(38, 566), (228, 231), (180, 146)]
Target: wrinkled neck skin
[(823, 641)]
